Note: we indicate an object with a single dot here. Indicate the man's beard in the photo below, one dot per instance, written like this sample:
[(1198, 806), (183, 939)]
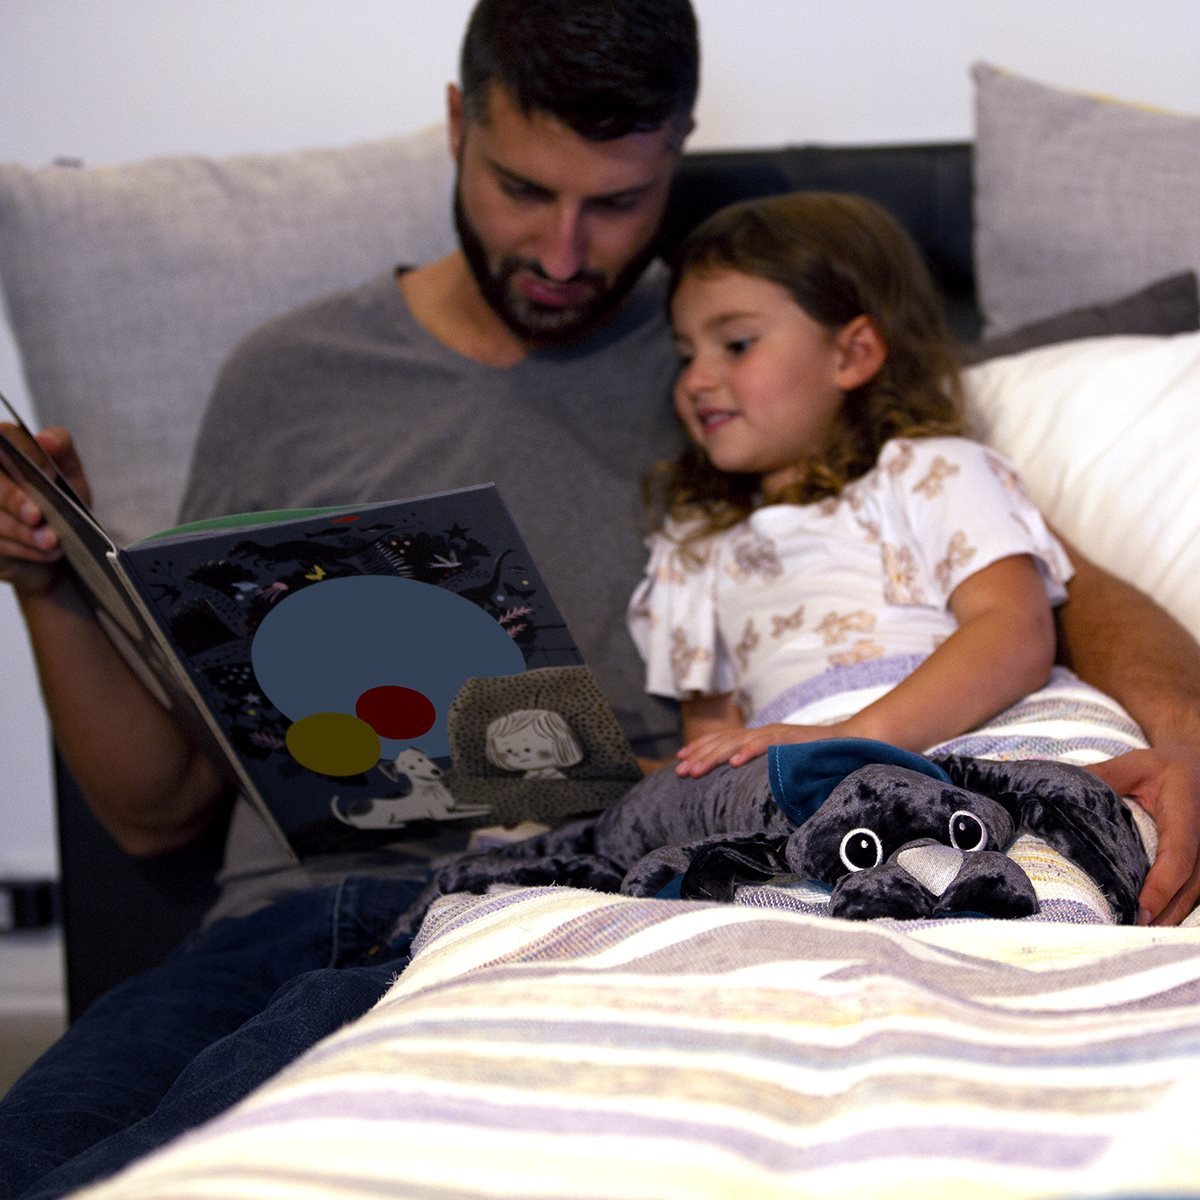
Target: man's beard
[(544, 324)]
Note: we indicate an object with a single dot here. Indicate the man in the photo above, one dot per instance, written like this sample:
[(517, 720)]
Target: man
[(533, 356)]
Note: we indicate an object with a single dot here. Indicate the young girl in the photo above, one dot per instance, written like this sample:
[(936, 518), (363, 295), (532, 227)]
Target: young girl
[(836, 560)]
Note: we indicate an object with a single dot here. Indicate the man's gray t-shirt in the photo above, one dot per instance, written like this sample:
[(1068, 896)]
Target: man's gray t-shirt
[(350, 400)]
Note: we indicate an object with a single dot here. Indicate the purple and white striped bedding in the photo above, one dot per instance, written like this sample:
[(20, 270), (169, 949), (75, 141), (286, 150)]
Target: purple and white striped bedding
[(551, 1042), (1067, 720)]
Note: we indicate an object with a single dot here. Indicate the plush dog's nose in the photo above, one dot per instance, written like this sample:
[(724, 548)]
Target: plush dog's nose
[(931, 864)]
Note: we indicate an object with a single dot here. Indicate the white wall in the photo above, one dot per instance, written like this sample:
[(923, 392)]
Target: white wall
[(126, 79)]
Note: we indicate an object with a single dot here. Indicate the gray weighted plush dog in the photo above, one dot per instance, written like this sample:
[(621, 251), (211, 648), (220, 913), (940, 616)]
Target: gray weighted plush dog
[(892, 833)]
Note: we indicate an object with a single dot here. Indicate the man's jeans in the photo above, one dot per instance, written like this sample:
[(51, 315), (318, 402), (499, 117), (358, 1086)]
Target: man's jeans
[(182, 1042)]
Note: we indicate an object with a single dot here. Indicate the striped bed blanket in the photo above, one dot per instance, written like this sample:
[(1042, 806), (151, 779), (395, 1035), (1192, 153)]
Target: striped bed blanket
[(564, 1043), (556, 1042), (1067, 720)]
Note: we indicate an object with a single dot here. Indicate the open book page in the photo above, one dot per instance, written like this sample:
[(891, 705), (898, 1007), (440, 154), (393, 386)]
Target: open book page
[(351, 654)]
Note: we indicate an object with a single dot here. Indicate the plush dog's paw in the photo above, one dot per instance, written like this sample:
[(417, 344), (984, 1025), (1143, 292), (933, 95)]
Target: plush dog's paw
[(883, 891)]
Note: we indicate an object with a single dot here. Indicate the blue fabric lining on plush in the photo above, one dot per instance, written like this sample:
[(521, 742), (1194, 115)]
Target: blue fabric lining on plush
[(803, 775)]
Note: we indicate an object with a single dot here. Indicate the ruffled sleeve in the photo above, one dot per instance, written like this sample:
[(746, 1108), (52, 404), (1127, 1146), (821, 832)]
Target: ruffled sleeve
[(962, 507), (672, 617)]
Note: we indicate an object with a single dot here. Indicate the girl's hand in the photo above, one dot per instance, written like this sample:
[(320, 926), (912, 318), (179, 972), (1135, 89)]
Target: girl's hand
[(739, 746)]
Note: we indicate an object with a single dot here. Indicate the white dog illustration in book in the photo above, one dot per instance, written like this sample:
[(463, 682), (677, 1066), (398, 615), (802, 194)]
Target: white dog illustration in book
[(428, 799)]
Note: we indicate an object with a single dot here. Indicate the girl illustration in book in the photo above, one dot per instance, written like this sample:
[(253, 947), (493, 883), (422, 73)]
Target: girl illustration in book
[(829, 520), (534, 741)]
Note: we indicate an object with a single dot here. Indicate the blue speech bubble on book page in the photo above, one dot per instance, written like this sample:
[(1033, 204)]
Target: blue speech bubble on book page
[(321, 649)]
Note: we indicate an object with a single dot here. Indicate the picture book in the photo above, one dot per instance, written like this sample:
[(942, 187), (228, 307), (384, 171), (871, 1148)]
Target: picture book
[(361, 672)]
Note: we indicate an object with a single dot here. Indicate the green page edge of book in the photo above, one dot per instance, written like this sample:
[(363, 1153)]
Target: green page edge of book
[(237, 520)]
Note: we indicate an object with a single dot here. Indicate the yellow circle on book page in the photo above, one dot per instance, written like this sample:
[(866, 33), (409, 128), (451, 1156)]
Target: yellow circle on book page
[(333, 743)]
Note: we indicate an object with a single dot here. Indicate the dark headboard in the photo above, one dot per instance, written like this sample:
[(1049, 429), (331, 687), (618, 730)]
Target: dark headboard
[(928, 188), (121, 915)]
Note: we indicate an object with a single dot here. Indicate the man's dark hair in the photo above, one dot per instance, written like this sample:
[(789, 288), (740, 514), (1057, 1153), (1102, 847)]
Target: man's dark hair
[(605, 68)]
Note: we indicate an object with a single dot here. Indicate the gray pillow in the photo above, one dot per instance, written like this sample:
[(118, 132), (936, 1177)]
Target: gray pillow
[(1169, 306), (127, 286), (1078, 199)]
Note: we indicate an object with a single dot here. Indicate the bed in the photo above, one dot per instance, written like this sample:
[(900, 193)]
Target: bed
[(555, 1041)]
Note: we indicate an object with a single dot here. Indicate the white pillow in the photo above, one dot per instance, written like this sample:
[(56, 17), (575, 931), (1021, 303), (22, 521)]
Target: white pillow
[(1104, 431)]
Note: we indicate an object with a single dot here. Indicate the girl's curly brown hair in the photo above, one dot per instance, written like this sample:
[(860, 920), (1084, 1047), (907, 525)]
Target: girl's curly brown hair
[(840, 257)]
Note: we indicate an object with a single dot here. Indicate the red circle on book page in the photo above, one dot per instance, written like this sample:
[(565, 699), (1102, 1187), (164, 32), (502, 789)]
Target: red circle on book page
[(396, 712)]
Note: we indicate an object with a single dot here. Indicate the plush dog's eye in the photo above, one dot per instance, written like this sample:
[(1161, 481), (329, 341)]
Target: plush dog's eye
[(860, 849), (967, 831)]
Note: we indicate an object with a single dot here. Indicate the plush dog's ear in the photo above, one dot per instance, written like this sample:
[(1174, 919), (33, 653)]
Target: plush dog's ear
[(1069, 808), (802, 776)]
